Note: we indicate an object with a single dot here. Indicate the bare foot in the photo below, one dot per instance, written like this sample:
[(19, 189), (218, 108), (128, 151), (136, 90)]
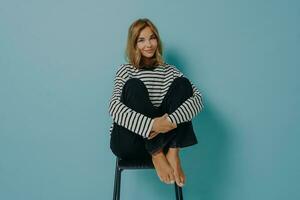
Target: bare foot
[(174, 160), (163, 168)]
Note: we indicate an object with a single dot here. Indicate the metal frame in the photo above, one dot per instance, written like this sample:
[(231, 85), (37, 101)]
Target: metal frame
[(118, 173)]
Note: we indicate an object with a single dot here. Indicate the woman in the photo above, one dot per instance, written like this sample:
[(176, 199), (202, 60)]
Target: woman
[(152, 106)]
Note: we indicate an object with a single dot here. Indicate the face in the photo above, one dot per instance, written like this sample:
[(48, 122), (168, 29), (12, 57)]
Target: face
[(147, 43)]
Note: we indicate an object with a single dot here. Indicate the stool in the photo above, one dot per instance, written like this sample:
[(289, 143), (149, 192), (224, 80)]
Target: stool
[(135, 164)]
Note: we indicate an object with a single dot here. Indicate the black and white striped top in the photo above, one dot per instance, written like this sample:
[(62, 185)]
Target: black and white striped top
[(157, 82)]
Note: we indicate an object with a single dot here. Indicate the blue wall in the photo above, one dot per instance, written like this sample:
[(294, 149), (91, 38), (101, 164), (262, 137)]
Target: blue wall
[(57, 63)]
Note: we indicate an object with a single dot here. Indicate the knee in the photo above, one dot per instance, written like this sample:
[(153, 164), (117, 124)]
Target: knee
[(134, 84), (182, 84), (134, 94)]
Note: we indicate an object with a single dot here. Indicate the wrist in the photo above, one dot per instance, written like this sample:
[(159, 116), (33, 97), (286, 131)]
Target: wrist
[(172, 119)]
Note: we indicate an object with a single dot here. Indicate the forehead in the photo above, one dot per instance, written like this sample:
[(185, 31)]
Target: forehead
[(146, 32)]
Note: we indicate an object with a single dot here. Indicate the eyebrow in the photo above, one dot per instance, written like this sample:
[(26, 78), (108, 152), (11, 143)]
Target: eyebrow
[(144, 38)]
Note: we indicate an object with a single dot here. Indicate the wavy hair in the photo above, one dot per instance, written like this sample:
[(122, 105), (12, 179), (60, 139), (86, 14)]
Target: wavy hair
[(133, 55)]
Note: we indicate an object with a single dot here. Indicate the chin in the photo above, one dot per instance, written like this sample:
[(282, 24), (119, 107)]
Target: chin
[(149, 55)]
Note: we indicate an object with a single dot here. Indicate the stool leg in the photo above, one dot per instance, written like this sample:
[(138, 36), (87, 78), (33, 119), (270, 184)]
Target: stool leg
[(117, 183), (178, 192)]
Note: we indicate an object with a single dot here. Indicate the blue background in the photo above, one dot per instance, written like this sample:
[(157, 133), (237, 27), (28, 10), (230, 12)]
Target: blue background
[(57, 64)]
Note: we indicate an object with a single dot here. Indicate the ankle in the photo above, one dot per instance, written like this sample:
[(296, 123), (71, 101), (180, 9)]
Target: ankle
[(158, 153), (173, 151)]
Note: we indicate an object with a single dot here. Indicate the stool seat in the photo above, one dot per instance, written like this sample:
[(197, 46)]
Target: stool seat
[(135, 164), (122, 164)]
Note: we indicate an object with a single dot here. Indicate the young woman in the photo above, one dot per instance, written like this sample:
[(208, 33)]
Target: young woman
[(152, 106)]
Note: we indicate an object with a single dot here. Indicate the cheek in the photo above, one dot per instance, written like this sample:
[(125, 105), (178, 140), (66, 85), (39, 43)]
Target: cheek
[(154, 43), (140, 45)]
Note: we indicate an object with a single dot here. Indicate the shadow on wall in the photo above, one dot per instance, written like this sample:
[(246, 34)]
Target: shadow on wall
[(206, 164)]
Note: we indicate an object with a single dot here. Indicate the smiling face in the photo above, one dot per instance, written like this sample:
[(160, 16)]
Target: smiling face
[(147, 43), (144, 47)]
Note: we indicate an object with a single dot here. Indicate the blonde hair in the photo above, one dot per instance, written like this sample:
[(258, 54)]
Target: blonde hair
[(133, 55)]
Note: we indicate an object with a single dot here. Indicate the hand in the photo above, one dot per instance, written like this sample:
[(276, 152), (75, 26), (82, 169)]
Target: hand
[(163, 124), (152, 135)]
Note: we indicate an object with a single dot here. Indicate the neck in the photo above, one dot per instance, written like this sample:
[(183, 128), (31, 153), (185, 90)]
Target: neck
[(148, 61)]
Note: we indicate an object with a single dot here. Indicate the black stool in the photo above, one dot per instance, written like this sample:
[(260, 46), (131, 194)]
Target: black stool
[(135, 164)]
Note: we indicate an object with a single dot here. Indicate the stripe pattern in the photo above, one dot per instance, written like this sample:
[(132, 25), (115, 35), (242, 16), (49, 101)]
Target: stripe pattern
[(157, 82)]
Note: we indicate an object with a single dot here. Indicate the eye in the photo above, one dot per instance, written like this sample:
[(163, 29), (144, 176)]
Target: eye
[(140, 40), (153, 37)]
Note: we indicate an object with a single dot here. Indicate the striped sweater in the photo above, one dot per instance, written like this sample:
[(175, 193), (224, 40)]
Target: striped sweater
[(157, 82)]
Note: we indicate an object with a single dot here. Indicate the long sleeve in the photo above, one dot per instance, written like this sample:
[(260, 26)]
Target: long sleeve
[(123, 115), (188, 109)]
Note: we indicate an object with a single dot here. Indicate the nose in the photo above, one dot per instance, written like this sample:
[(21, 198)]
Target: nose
[(148, 43)]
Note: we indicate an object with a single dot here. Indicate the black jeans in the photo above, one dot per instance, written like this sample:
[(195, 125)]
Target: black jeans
[(128, 145)]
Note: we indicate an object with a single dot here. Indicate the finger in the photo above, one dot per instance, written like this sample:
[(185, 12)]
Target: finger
[(151, 137), (154, 135), (170, 128)]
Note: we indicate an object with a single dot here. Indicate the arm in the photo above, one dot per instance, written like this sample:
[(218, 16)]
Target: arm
[(123, 115)]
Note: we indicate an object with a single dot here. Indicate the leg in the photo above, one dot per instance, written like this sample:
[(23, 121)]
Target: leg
[(124, 143), (179, 91), (174, 160), (138, 99), (183, 136), (163, 169), (127, 145)]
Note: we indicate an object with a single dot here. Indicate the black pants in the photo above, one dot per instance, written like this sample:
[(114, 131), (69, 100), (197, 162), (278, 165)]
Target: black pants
[(128, 145)]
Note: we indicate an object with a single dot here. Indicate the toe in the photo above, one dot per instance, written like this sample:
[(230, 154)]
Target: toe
[(177, 179), (171, 176), (182, 180), (166, 179), (171, 179)]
